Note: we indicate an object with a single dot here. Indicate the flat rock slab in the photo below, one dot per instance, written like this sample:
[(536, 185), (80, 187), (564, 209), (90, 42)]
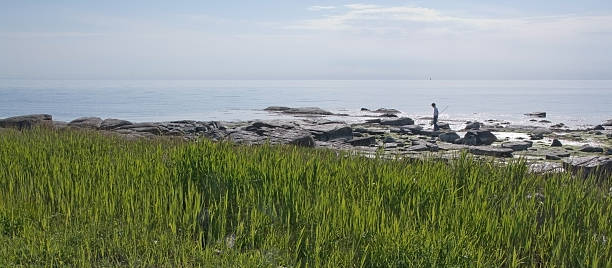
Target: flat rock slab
[(111, 123), (591, 149), (537, 114), (299, 110), (491, 151), (26, 121), (365, 141), (600, 166), (402, 121), (86, 122), (517, 146)]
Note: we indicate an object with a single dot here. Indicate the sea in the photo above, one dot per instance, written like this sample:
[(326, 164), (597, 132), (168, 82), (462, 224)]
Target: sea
[(576, 103)]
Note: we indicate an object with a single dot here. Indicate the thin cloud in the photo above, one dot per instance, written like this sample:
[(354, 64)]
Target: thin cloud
[(319, 8)]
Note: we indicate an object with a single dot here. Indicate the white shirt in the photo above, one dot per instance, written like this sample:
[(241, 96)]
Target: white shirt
[(435, 111)]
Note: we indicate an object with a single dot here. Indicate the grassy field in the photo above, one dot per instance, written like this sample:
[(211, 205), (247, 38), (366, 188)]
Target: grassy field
[(79, 198)]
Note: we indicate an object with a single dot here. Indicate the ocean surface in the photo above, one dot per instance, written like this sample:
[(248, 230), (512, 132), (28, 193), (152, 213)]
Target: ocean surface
[(573, 102)]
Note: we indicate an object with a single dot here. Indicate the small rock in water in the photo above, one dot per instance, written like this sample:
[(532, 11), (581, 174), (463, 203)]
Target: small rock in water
[(599, 127), (386, 111), (537, 114), (365, 109), (556, 143)]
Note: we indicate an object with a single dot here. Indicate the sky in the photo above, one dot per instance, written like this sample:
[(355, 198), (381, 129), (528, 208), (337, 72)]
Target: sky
[(291, 39)]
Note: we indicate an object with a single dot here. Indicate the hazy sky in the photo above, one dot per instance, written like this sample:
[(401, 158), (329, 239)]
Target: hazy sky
[(291, 39)]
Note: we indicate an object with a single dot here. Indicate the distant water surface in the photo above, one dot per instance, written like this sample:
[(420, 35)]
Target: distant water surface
[(573, 102)]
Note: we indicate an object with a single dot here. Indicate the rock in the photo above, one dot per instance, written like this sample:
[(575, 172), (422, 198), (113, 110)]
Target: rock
[(366, 141), (299, 110), (26, 121), (389, 139), (599, 166), (443, 125), (537, 114), (590, 149), (386, 111), (86, 122), (388, 115), (538, 133), (552, 157), (517, 146), (336, 133), (391, 145), (560, 125), (365, 109), (418, 148), (535, 137), (449, 137), (110, 123), (607, 123), (599, 127), (608, 151), (373, 121), (556, 143), (491, 151), (402, 121), (472, 125), (560, 154), (304, 141), (411, 129), (479, 137), (545, 167), (544, 121)]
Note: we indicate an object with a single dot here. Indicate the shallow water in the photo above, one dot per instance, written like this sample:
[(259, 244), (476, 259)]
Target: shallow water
[(574, 102)]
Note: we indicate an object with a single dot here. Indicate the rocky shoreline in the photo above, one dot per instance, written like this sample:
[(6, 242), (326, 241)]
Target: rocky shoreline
[(382, 131)]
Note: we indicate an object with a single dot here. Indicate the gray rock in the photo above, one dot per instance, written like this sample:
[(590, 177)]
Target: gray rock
[(402, 121), (449, 137), (545, 121), (590, 149), (365, 109), (299, 110), (517, 146), (540, 131), (599, 127), (388, 115), (556, 143), (373, 121), (411, 129), (472, 125), (386, 111), (345, 132), (371, 131), (26, 121), (607, 123), (86, 122), (545, 168), (556, 155), (537, 114), (491, 151), (608, 151), (552, 157), (560, 125), (391, 145), (110, 123), (389, 139), (479, 137), (304, 141), (600, 166), (366, 141), (443, 125)]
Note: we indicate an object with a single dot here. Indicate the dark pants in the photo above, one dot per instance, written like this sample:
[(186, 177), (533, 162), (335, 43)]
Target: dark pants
[(435, 123)]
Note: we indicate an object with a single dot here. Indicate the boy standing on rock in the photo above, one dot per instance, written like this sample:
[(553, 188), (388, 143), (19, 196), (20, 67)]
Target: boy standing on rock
[(435, 117)]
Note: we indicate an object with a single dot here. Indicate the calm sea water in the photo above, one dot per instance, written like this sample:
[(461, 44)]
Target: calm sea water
[(573, 102)]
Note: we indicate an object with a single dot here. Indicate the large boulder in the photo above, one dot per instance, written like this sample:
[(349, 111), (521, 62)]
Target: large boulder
[(491, 151), (86, 122), (600, 166), (537, 114), (299, 110), (111, 123), (402, 121), (479, 137), (26, 121), (450, 137), (517, 145), (556, 143)]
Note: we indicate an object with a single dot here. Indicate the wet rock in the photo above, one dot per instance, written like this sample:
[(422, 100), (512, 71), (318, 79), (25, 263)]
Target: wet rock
[(450, 137), (299, 110), (491, 151), (479, 137), (443, 125), (590, 149), (26, 121), (599, 127), (600, 166), (537, 114), (607, 123), (365, 109), (304, 141), (472, 125), (366, 141), (86, 122), (608, 151), (517, 146), (111, 123), (556, 143), (402, 121)]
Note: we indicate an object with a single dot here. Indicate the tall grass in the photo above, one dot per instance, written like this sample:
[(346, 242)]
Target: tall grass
[(80, 198)]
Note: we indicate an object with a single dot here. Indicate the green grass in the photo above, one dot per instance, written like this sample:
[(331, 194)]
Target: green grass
[(79, 198)]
